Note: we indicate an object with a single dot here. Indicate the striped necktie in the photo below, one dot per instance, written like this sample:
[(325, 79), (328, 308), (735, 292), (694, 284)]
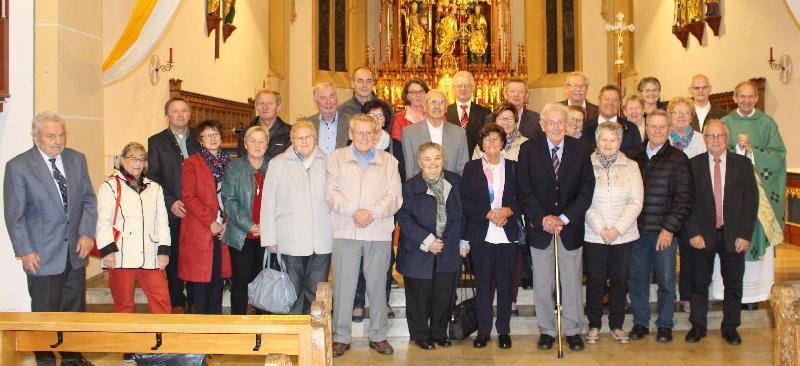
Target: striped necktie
[(61, 181)]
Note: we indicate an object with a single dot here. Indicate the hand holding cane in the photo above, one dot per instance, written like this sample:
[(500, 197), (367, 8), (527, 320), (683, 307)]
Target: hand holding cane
[(558, 295)]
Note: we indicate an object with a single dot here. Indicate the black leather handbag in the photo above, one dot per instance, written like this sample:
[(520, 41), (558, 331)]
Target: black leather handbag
[(463, 317)]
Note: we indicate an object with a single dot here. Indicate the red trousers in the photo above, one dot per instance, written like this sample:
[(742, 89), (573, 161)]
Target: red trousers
[(122, 282)]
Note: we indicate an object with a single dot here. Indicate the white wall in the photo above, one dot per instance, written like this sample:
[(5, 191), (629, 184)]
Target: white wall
[(134, 107), (15, 129), (748, 29)]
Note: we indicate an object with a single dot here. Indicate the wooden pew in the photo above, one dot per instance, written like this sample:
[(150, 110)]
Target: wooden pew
[(306, 337), (786, 311)]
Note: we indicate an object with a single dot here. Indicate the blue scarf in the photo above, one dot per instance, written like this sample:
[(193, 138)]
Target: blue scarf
[(217, 163), (682, 142)]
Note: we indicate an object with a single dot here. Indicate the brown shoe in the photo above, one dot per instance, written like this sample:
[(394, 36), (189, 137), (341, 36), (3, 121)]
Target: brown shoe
[(383, 347), (179, 310), (340, 348)]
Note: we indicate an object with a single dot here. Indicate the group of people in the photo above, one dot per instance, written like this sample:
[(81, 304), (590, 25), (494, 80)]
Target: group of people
[(619, 196)]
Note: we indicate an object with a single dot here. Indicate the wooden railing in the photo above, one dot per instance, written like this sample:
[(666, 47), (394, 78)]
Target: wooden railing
[(231, 114), (278, 337), (786, 310)]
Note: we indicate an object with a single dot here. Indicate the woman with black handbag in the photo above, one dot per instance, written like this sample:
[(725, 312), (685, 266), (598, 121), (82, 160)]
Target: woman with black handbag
[(488, 193), (428, 254)]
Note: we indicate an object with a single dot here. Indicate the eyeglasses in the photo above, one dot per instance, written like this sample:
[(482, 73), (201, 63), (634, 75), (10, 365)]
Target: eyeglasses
[(376, 116), (211, 135), (577, 86), (682, 113), (491, 138), (715, 136), (136, 159), (415, 92), (436, 101), (303, 138), (463, 86), (554, 123), (364, 133), (505, 119), (701, 88)]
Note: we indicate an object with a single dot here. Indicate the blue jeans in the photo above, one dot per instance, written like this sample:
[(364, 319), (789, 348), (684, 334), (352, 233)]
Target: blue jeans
[(643, 260)]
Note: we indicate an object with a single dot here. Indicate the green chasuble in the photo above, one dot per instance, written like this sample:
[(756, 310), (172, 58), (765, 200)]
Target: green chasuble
[(770, 169)]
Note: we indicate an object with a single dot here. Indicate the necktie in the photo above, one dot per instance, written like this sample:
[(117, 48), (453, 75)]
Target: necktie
[(464, 116), (718, 193), (556, 162), (61, 181)]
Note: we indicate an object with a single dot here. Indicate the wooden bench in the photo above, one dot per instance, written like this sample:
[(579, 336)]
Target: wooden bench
[(307, 337)]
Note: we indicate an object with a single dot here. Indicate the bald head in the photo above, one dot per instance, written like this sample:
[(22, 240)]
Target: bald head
[(700, 89)]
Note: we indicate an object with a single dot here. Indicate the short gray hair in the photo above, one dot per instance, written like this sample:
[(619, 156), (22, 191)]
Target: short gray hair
[(324, 84), (609, 126), (555, 107), (659, 112), (46, 116)]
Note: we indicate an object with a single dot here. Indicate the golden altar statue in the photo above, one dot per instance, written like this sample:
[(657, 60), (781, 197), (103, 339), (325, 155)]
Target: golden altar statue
[(432, 39)]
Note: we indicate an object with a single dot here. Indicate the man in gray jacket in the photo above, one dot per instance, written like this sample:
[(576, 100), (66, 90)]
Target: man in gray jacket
[(51, 216)]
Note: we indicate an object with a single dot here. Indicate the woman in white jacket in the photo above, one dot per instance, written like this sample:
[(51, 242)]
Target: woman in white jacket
[(610, 229), (133, 234)]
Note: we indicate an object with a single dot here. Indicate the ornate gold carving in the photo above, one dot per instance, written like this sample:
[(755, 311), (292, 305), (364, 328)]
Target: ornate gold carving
[(786, 311)]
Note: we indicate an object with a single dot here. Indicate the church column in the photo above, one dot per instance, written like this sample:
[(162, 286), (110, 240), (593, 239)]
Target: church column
[(68, 75)]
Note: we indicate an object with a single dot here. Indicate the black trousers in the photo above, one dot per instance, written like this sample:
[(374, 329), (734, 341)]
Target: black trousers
[(686, 280), (175, 284), (428, 305), (493, 262), (606, 263), (732, 270), (65, 292), (207, 296), (246, 264)]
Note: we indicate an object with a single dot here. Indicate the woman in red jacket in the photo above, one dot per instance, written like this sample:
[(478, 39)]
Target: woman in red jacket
[(203, 261)]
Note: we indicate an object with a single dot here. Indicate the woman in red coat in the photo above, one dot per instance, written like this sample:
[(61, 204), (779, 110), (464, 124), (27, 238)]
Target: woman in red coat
[(203, 261)]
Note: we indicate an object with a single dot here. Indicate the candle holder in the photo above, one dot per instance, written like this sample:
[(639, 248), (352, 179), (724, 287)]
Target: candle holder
[(156, 68), (783, 65)]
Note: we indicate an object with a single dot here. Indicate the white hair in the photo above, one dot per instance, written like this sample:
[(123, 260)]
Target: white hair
[(46, 116)]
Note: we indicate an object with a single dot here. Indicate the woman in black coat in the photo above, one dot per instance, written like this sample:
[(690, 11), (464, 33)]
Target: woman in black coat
[(428, 254), (488, 193)]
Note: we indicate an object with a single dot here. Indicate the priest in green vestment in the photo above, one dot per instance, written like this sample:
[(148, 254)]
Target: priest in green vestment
[(756, 135)]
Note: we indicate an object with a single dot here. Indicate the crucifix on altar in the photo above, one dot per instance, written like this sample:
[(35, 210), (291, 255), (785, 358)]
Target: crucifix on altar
[(619, 28)]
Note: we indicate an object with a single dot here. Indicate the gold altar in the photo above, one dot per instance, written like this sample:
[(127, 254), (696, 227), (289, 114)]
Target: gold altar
[(432, 39)]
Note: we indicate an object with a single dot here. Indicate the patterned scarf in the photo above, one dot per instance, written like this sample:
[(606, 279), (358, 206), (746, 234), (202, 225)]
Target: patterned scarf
[(513, 136), (437, 187), (682, 142), (135, 184), (607, 160), (216, 163)]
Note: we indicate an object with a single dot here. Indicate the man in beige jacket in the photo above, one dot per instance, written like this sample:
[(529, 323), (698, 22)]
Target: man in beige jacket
[(364, 192)]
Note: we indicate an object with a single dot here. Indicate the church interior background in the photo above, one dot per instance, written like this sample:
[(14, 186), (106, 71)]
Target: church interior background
[(60, 58)]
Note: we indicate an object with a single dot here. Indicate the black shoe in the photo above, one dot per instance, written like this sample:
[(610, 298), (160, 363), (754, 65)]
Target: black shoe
[(695, 334), (638, 332), (389, 312), (441, 342), (480, 341), (545, 342), (76, 362), (575, 342), (424, 344), (664, 335), (526, 283), (504, 341), (732, 337), (750, 306), (358, 315), (127, 357)]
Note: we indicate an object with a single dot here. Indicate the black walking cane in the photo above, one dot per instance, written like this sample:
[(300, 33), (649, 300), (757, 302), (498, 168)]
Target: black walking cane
[(558, 297)]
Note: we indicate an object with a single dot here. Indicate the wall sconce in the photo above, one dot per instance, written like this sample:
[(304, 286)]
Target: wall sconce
[(156, 67), (783, 65)]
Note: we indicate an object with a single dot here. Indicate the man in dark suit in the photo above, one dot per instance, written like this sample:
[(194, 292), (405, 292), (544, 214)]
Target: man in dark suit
[(464, 112), (332, 125), (609, 112), (165, 153), (721, 223), (575, 90), (51, 217), (516, 94), (556, 184), (704, 111), (268, 105)]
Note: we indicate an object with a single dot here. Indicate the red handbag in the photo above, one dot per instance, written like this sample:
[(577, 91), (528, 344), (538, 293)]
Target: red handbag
[(95, 251)]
